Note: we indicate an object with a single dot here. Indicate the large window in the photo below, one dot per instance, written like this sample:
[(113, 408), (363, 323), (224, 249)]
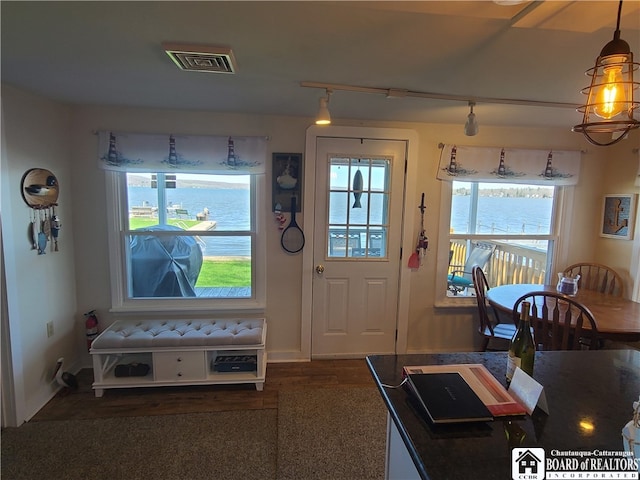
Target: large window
[(509, 230), (185, 241)]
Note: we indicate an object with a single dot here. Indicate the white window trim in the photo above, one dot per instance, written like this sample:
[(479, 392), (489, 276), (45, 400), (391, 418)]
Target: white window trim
[(563, 203), (121, 303)]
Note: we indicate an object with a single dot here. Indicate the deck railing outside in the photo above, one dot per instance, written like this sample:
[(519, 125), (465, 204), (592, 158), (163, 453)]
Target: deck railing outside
[(509, 263)]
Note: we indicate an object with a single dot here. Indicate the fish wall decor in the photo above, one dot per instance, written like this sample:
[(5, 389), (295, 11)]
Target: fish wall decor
[(357, 189)]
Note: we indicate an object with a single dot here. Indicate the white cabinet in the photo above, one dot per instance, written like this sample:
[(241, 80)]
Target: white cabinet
[(399, 464)]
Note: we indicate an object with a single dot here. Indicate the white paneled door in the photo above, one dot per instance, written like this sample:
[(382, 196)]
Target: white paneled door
[(358, 224)]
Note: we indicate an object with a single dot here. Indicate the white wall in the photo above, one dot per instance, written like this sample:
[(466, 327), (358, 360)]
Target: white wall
[(40, 288), (38, 133), (620, 168)]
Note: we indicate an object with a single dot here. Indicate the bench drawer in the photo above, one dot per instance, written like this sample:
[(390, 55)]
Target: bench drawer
[(179, 366)]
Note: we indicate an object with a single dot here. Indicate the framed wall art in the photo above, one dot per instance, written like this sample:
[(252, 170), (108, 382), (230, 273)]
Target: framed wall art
[(287, 181), (618, 214)]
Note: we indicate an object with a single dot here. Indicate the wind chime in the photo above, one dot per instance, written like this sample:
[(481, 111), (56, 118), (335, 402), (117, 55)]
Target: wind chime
[(40, 192)]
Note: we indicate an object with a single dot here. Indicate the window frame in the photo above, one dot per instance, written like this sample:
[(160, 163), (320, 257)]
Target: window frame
[(561, 210), (368, 229), (116, 193)]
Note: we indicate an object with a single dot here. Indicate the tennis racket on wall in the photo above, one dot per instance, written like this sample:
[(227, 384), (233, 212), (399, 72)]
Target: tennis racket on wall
[(292, 239)]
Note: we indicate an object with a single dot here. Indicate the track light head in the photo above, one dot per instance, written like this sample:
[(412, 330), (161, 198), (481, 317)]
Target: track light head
[(471, 125), (324, 117)]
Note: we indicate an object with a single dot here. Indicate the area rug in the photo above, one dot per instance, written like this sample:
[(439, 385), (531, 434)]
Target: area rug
[(336, 434), (222, 445)]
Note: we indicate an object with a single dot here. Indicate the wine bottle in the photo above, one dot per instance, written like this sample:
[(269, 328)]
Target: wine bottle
[(522, 349)]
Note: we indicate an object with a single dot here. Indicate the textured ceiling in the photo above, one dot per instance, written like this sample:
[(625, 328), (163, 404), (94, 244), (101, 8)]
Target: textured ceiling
[(110, 53)]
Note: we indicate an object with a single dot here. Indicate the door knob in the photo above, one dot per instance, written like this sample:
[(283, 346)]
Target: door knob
[(319, 269)]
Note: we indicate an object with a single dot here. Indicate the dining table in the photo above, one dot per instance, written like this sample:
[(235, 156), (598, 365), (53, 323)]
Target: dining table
[(617, 318)]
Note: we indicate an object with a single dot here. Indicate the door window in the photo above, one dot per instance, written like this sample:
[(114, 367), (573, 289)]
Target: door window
[(358, 207)]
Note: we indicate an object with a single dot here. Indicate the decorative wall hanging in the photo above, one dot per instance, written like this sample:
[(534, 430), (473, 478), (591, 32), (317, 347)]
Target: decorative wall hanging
[(509, 165), (287, 181), (618, 213), (279, 217), (133, 152), (40, 189)]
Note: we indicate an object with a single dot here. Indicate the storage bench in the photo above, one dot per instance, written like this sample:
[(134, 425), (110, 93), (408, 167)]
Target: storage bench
[(151, 353)]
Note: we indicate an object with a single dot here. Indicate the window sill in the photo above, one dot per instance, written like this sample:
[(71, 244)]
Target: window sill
[(170, 310), (453, 302)]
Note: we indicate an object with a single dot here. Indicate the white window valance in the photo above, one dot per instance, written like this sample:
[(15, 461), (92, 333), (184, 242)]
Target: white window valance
[(136, 152), (509, 165)]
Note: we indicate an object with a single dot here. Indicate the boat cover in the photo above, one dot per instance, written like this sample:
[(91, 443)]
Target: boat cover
[(164, 265)]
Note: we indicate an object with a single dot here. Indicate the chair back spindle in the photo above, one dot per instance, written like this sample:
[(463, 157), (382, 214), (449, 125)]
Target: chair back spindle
[(560, 322), (598, 277)]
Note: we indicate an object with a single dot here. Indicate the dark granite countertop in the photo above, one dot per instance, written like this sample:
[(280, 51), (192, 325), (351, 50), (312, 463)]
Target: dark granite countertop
[(583, 388)]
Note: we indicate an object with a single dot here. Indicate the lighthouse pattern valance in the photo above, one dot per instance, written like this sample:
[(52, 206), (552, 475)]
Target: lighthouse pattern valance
[(135, 152), (509, 165)]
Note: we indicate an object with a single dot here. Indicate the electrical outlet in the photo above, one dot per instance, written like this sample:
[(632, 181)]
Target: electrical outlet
[(49, 329)]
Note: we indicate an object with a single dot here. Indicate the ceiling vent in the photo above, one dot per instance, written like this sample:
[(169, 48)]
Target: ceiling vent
[(201, 58)]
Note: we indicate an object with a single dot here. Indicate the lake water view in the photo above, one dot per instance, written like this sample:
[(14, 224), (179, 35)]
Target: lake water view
[(230, 207), (530, 216)]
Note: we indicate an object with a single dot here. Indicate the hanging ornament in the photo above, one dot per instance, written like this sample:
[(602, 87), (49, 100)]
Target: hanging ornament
[(55, 228), (46, 225), (357, 189), (33, 230), (280, 218), (42, 237), (40, 191)]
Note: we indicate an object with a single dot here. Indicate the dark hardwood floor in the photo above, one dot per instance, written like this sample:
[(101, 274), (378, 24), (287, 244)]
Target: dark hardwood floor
[(131, 402)]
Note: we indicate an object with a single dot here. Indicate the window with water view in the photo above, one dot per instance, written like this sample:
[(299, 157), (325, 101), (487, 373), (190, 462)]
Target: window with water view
[(506, 229), (358, 208), (189, 235)]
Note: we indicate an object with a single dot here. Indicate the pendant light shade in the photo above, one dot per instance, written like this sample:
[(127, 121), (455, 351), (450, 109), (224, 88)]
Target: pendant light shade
[(471, 125), (610, 103), (324, 117)]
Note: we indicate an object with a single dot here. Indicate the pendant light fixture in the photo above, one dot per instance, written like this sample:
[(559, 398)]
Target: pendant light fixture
[(610, 95), (324, 117), (471, 125)]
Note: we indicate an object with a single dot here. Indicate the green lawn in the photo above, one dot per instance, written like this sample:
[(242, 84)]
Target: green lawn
[(214, 273), (138, 222), (225, 273)]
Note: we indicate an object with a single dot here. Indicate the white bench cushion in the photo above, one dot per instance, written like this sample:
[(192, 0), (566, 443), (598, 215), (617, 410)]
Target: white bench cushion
[(176, 333)]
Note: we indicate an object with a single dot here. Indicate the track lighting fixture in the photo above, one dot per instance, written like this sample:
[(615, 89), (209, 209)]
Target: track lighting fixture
[(471, 125), (324, 117), (610, 95)]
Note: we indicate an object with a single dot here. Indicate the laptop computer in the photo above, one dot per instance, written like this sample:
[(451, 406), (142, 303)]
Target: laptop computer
[(447, 398)]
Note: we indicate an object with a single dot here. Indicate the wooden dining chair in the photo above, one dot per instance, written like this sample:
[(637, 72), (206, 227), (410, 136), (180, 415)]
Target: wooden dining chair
[(594, 276), (559, 322), (488, 328)]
